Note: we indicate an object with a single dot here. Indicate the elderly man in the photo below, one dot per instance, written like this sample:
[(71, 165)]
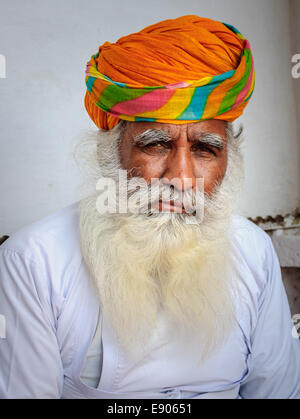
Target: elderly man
[(152, 287)]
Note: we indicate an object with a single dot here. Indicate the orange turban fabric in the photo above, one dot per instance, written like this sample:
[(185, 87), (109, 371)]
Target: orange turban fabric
[(176, 71)]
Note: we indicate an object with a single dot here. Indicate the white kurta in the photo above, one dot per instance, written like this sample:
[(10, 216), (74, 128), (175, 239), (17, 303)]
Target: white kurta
[(54, 325)]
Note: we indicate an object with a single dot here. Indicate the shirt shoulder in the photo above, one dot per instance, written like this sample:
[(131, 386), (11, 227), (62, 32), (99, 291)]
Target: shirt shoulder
[(241, 225), (254, 247), (256, 266), (52, 244), (53, 229), (253, 242)]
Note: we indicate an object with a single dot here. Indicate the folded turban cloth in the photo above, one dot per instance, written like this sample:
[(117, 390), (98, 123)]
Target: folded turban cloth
[(177, 71)]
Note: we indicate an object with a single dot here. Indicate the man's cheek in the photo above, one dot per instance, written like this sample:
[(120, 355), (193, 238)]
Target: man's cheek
[(208, 173), (151, 168)]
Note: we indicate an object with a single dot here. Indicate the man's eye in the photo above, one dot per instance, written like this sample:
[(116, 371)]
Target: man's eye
[(159, 146), (200, 148)]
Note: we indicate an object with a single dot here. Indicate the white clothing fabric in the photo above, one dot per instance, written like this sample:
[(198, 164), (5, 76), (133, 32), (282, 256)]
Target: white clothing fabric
[(52, 313)]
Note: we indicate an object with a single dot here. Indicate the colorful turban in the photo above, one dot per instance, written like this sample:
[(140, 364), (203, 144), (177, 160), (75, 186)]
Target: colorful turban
[(177, 71)]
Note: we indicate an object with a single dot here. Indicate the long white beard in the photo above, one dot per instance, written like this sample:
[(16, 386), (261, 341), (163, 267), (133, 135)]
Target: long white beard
[(145, 265)]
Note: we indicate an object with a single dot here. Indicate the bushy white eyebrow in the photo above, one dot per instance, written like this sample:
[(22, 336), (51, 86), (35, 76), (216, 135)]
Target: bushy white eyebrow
[(151, 136), (157, 135)]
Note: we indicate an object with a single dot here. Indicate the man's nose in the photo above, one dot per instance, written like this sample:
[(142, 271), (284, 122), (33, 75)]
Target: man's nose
[(180, 171)]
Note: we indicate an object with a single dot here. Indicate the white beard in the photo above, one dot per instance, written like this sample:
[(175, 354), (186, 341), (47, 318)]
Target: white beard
[(143, 265)]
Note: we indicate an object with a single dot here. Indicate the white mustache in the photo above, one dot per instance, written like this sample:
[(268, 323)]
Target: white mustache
[(165, 194)]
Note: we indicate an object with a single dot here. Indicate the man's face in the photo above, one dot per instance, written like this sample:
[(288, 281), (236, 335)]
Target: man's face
[(176, 152), (149, 261)]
